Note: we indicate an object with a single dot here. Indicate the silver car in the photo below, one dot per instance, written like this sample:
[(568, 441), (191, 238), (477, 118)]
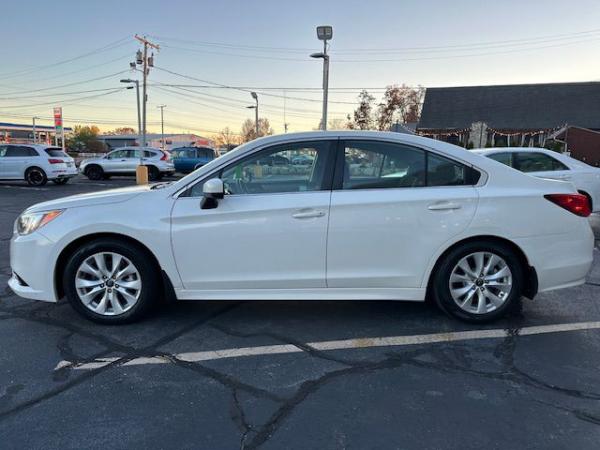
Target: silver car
[(35, 164), (123, 161)]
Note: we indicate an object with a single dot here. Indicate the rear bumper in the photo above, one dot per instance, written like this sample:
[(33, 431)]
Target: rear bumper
[(69, 172), (561, 260)]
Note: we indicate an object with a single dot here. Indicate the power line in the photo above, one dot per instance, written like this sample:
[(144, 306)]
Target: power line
[(54, 94), (116, 44), (68, 102)]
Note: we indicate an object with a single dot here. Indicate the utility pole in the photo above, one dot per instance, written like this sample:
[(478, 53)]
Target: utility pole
[(285, 124), (162, 125), (145, 64), (324, 33), (143, 60), (34, 138)]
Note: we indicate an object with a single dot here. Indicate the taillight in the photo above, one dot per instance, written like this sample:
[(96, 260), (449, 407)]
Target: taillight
[(578, 204), (165, 156), (55, 161)]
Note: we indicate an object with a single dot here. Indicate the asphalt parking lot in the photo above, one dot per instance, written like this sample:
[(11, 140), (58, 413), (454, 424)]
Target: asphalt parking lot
[(295, 375)]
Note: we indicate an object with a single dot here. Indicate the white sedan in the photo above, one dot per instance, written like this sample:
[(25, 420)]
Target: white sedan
[(544, 163), (473, 234)]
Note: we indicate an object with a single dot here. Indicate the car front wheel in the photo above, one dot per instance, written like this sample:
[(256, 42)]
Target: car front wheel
[(111, 281), (479, 282)]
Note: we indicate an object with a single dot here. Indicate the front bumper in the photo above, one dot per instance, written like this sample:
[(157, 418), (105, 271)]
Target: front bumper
[(32, 261)]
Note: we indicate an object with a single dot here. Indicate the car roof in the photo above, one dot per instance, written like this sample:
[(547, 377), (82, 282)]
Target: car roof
[(36, 146), (491, 150)]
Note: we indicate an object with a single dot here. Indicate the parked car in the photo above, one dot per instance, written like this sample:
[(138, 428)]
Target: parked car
[(188, 159), (470, 233), (124, 161), (273, 160), (302, 159), (544, 163), (36, 164)]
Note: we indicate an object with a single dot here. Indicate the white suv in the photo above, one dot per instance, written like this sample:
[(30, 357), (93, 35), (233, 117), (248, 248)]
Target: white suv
[(123, 161), (35, 164)]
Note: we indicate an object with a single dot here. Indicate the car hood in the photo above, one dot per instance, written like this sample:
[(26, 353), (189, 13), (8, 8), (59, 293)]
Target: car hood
[(91, 198)]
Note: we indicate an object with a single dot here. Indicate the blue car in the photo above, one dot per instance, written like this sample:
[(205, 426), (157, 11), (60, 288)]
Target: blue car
[(188, 159)]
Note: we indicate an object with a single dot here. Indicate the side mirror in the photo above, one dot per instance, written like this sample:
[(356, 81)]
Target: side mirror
[(213, 190)]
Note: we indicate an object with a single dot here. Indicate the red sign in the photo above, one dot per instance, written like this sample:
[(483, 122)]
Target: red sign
[(58, 118)]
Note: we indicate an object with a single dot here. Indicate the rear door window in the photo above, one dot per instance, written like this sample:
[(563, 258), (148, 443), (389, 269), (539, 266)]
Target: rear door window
[(505, 158), (537, 162)]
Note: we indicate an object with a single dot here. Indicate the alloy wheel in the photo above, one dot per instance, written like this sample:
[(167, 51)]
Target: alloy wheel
[(35, 177), (108, 284), (481, 282)]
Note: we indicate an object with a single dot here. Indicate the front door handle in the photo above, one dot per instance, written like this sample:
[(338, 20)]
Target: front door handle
[(308, 213), (442, 206)]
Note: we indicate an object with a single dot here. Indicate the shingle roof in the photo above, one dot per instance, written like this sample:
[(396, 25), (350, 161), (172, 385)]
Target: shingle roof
[(519, 106)]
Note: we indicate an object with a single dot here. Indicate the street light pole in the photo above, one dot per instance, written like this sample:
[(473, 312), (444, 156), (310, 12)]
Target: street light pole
[(255, 97), (162, 125), (137, 93), (324, 33)]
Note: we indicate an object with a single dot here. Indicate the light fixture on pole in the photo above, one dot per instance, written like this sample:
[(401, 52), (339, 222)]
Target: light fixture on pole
[(255, 108), (137, 92), (324, 33), (162, 125), (33, 129)]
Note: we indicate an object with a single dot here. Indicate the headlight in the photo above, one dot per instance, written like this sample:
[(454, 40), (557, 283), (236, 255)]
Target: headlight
[(27, 223)]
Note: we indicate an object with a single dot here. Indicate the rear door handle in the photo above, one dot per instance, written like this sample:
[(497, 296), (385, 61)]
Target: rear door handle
[(308, 213), (441, 206)]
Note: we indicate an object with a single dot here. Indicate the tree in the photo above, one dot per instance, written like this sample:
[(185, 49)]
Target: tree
[(249, 129), (363, 115), (85, 138), (122, 130), (400, 103), (227, 138)]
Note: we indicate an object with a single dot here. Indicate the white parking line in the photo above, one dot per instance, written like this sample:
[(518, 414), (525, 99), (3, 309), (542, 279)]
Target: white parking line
[(345, 344)]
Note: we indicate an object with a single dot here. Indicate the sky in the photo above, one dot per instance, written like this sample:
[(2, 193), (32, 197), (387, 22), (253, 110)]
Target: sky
[(73, 54)]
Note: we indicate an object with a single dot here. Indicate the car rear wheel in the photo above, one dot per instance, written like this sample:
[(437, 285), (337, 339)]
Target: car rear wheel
[(94, 172), (61, 181), (479, 282), (111, 282), (153, 173), (35, 176)]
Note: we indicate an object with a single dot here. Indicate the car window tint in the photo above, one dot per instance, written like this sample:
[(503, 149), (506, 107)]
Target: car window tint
[(271, 171), (445, 172), (118, 154), (537, 162), (3, 149), (14, 151), (377, 165), (133, 154), (504, 158), (148, 154)]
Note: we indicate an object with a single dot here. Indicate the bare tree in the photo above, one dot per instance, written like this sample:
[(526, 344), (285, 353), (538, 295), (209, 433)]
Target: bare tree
[(249, 129), (400, 103), (122, 130), (363, 114), (227, 138)]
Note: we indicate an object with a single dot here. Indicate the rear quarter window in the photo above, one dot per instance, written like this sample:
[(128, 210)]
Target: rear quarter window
[(56, 152)]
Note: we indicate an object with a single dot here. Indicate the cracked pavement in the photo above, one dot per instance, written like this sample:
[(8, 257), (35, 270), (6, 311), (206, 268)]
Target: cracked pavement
[(536, 391)]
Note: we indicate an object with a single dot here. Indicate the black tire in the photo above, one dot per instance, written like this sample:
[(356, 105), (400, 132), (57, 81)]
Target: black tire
[(440, 283), (35, 177), (153, 173), (61, 181), (149, 274), (94, 172)]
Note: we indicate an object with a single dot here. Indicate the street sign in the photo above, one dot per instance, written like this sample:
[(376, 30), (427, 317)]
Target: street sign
[(58, 126)]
